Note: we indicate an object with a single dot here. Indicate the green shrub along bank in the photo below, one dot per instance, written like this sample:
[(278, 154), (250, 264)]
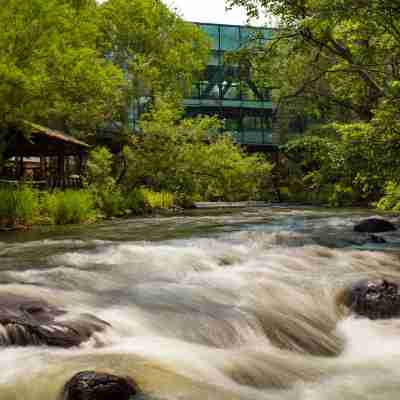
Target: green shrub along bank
[(18, 207), (69, 207), (143, 200), (23, 207), (342, 165)]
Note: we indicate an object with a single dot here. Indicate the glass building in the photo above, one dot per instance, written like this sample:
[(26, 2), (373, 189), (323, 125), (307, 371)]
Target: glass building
[(228, 91)]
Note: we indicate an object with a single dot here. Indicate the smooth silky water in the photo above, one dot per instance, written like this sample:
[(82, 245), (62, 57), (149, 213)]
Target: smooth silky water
[(211, 305)]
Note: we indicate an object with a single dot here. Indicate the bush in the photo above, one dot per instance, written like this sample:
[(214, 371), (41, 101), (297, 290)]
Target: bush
[(189, 157), (18, 206), (391, 199), (99, 166), (143, 199), (69, 207), (158, 200), (107, 195), (109, 200), (135, 201), (340, 195)]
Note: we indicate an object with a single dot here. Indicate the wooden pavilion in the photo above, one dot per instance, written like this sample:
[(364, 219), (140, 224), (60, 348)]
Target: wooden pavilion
[(59, 158)]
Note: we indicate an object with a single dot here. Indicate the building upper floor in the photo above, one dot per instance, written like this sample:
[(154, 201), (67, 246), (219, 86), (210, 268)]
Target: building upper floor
[(224, 81), (234, 37)]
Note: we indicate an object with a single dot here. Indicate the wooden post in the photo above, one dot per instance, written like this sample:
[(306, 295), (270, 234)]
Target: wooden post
[(61, 170), (16, 167), (21, 168), (67, 171), (42, 167)]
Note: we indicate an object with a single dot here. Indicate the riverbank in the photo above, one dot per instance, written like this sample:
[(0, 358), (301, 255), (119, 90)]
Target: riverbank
[(23, 207)]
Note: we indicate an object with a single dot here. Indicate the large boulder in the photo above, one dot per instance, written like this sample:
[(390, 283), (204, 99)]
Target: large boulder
[(92, 385), (374, 225), (374, 299), (26, 321)]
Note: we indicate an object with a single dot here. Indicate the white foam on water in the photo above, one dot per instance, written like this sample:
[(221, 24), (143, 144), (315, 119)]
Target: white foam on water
[(252, 311)]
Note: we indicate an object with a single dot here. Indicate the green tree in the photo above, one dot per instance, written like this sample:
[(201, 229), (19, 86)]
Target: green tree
[(159, 52), (190, 158), (336, 63), (341, 55), (51, 67)]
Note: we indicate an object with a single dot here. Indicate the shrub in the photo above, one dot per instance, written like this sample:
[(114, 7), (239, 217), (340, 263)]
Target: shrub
[(144, 199), (69, 207), (99, 166), (158, 199), (107, 195), (135, 200), (340, 195), (109, 200), (18, 206), (391, 199), (189, 157)]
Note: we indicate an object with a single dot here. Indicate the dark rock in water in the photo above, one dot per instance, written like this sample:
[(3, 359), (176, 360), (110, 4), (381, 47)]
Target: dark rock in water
[(379, 299), (26, 321), (361, 240), (374, 225), (376, 239), (91, 385)]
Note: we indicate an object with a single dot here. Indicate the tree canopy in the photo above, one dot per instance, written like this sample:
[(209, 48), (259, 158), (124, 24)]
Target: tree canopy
[(159, 51), (50, 66), (340, 55), (75, 64), (335, 65)]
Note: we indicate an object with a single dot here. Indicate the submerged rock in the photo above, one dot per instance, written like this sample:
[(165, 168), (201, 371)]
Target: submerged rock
[(26, 321), (92, 385), (376, 239), (374, 299), (361, 240), (374, 225)]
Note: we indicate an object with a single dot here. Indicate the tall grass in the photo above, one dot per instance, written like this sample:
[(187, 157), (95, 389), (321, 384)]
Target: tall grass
[(18, 206), (24, 206), (69, 207)]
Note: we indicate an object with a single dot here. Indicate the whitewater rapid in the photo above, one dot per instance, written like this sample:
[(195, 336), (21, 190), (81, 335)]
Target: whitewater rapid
[(227, 306)]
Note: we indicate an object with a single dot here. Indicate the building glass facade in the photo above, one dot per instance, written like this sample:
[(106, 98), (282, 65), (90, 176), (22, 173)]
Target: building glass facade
[(226, 91)]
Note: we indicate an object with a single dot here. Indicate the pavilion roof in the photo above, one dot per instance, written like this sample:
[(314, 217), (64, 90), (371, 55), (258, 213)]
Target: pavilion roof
[(30, 140), (54, 134)]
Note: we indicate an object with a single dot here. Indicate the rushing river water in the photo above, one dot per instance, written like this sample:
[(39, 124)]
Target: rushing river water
[(235, 305)]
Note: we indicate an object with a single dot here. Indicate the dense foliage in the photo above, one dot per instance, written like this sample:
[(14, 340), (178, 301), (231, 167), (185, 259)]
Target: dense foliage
[(159, 52), (50, 66), (191, 158), (76, 65), (23, 206), (335, 69), (84, 66)]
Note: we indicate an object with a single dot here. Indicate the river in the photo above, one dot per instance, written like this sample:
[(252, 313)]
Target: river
[(239, 304)]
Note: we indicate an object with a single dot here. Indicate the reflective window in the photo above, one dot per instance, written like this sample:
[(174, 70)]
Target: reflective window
[(249, 36), (230, 38), (231, 90), (214, 58), (195, 93), (209, 90), (213, 32), (251, 122), (232, 125)]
